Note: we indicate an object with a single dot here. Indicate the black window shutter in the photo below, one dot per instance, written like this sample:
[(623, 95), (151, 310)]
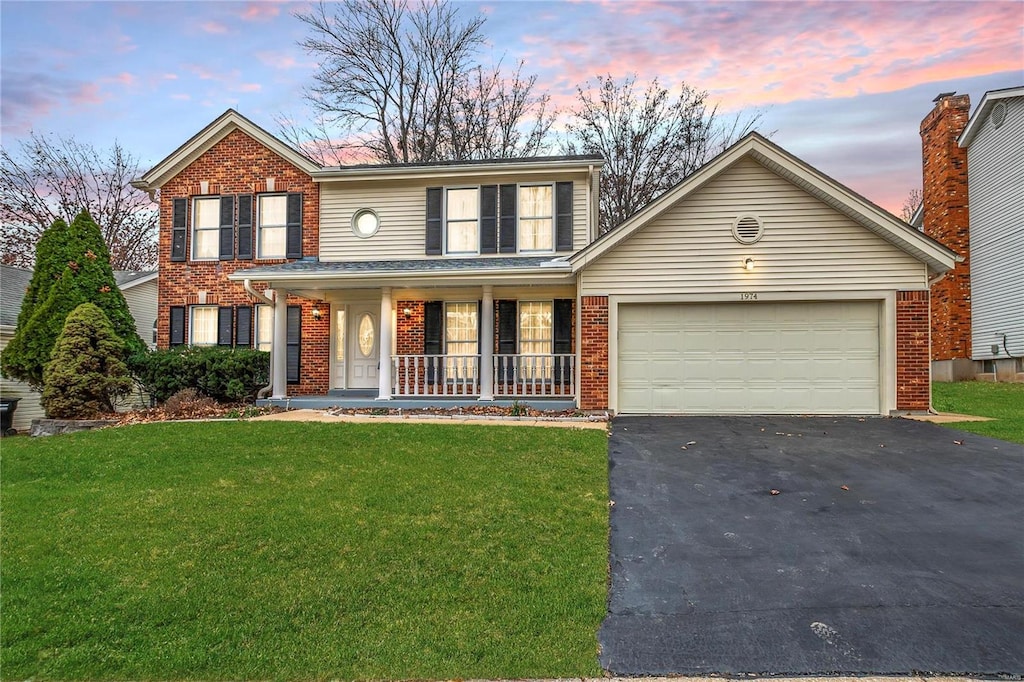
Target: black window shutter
[(179, 229), (293, 243), (243, 326), (245, 227), (507, 231), (489, 219), (563, 216), (294, 343), (177, 325), (433, 321), (508, 328), (227, 228), (433, 221), (225, 323), (562, 337)]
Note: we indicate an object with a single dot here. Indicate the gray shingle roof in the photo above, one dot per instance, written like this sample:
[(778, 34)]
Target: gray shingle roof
[(123, 277), (469, 162), (13, 283), (313, 267)]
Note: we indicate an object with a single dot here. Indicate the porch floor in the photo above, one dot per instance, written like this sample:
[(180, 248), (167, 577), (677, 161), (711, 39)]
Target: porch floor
[(355, 399)]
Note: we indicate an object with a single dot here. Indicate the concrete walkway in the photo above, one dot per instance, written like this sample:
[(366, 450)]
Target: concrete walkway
[(946, 418), (323, 416)]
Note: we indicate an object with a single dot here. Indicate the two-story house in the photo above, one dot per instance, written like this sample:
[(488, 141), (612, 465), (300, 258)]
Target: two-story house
[(757, 285)]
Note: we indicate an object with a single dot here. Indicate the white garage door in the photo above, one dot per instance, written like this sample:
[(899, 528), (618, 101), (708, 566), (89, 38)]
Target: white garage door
[(749, 358)]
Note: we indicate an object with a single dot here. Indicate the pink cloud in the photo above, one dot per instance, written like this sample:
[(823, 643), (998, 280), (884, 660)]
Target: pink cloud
[(88, 93), (277, 60), (249, 87), (184, 97), (214, 27), (126, 79), (258, 11)]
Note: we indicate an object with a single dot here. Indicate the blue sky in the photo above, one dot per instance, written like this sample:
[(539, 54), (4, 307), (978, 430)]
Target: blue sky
[(843, 84)]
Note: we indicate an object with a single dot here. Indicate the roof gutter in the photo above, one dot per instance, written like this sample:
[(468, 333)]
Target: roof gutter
[(560, 269), (260, 296)]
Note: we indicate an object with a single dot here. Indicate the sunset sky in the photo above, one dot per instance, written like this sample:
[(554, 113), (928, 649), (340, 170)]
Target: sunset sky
[(844, 85)]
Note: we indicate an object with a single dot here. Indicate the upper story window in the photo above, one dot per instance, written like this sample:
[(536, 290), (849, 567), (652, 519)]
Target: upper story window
[(462, 220), (536, 218), (272, 213), (205, 228)]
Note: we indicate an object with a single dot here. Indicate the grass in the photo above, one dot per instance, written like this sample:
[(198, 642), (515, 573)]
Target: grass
[(1003, 402), (303, 551)]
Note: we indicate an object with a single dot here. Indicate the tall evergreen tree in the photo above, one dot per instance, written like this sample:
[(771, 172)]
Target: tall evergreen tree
[(85, 276), (87, 369), (52, 255)]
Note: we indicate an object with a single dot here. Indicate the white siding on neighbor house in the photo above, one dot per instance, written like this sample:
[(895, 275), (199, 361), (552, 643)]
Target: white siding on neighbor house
[(807, 246), (28, 407), (995, 162), (401, 207), (142, 302)]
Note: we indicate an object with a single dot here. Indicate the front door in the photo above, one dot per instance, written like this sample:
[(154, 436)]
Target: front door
[(363, 346)]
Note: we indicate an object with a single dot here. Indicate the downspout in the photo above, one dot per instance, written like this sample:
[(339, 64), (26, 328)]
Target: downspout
[(247, 284)]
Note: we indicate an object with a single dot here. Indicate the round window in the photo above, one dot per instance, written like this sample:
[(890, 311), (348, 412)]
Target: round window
[(365, 223)]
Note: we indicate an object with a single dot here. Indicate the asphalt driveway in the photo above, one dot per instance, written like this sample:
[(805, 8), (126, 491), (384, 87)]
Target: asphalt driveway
[(889, 548)]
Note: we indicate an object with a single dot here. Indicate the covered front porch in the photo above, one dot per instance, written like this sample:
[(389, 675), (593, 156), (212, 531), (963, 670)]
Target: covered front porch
[(433, 339)]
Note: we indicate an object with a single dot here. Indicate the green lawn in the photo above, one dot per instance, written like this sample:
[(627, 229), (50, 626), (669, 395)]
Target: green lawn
[(250, 550), (1004, 402)]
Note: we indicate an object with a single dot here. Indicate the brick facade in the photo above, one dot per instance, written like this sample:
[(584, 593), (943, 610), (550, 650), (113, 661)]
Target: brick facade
[(239, 164), (593, 389), (913, 369), (946, 220)]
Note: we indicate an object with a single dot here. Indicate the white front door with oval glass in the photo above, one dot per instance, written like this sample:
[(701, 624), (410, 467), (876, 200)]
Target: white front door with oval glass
[(363, 357)]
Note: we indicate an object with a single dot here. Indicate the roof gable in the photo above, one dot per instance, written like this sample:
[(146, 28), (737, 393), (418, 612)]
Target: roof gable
[(980, 114), (206, 138), (774, 158)]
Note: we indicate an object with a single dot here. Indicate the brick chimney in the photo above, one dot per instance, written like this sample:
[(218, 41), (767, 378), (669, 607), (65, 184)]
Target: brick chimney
[(945, 219)]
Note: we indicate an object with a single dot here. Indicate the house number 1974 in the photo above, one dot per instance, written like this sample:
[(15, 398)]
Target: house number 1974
[(748, 296)]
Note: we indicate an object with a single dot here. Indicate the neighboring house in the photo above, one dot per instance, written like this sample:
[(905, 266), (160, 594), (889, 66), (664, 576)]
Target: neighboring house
[(973, 203), (140, 292), (757, 285), (994, 140)]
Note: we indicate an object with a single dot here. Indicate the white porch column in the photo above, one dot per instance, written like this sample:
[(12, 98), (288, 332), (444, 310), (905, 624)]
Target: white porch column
[(487, 345), (384, 373), (279, 350)]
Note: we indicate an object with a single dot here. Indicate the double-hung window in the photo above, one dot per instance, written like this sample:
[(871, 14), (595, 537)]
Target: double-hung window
[(205, 228), (272, 214), (462, 220), (536, 218), (203, 329), (536, 343), (461, 343), (264, 327)]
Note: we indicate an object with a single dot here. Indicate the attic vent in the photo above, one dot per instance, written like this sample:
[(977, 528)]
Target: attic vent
[(747, 229), (998, 115)]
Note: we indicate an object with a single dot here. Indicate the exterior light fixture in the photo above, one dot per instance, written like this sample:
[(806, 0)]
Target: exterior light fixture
[(748, 264), (317, 313), (407, 312)]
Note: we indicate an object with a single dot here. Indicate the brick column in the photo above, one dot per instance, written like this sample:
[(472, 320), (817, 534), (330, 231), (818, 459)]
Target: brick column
[(594, 353), (913, 366)]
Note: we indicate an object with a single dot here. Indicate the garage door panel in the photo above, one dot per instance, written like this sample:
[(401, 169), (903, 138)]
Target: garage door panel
[(797, 358)]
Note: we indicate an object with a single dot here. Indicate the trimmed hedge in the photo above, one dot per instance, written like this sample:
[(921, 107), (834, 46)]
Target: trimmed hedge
[(227, 375)]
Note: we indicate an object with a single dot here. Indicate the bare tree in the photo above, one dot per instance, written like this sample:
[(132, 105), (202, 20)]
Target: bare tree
[(910, 205), (400, 82), (49, 177), (650, 140)]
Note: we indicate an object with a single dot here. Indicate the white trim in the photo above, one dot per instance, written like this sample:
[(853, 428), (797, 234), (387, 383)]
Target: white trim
[(980, 115), (213, 133), (776, 159), (140, 280), (441, 171), (886, 329)]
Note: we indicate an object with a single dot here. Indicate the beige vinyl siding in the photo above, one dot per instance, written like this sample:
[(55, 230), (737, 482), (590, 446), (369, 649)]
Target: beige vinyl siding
[(807, 246), (996, 194), (401, 207), (28, 407), (142, 302)]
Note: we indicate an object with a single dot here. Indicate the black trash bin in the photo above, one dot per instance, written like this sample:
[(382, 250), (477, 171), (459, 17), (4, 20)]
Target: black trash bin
[(7, 408)]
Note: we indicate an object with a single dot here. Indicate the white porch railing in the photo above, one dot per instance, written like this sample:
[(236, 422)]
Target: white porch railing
[(459, 375)]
